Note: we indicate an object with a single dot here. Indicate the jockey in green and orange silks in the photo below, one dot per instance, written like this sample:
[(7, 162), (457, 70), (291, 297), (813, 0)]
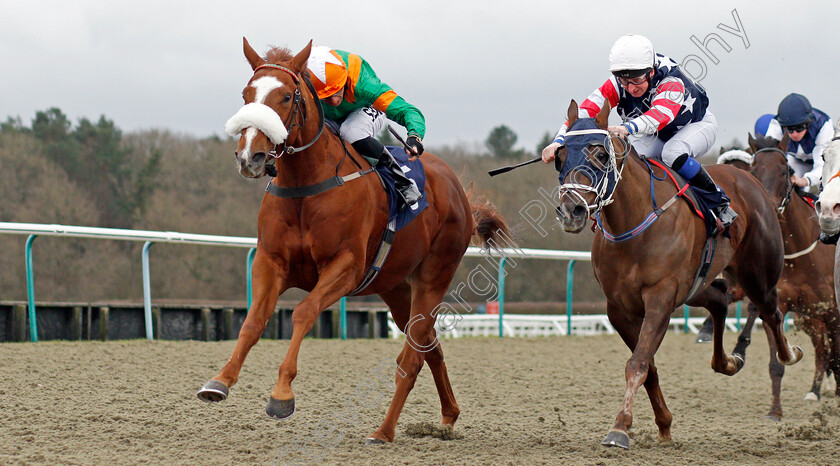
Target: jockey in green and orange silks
[(355, 98)]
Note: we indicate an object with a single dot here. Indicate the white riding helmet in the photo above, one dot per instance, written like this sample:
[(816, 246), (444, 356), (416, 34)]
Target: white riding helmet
[(631, 55)]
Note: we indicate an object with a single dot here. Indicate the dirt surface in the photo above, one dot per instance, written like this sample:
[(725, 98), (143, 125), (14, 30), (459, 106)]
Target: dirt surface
[(523, 401)]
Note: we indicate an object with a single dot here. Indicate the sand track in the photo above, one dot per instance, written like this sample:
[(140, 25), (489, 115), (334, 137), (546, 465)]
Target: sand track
[(523, 401)]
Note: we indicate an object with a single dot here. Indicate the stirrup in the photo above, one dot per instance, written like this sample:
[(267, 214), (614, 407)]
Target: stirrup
[(409, 193), (727, 215)]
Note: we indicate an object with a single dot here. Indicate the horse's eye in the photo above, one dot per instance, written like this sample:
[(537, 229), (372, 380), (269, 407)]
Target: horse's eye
[(287, 97)]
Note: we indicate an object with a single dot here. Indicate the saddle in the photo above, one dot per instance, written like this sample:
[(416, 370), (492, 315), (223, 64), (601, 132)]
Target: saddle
[(701, 201)]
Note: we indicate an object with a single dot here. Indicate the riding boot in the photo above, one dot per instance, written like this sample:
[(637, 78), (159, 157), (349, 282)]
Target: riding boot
[(371, 148), (407, 188), (723, 211)]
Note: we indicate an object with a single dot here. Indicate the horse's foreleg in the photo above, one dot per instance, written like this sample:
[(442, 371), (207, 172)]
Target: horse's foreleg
[(268, 284), (336, 280), (640, 367), (777, 371), (816, 330)]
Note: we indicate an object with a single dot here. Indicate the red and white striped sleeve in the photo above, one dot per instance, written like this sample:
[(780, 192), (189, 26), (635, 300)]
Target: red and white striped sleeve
[(592, 105), (665, 106)]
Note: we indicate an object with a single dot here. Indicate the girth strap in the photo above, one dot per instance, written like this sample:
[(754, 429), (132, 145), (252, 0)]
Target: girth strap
[(381, 255), (313, 189)]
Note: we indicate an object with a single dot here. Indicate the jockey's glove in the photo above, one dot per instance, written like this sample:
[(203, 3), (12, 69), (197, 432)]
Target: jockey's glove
[(415, 144)]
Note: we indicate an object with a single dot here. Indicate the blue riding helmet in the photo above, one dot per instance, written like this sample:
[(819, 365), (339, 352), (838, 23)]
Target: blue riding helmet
[(762, 124), (794, 110)]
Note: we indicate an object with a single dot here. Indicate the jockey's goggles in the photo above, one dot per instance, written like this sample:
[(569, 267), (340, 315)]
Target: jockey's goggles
[(797, 128), (634, 81)]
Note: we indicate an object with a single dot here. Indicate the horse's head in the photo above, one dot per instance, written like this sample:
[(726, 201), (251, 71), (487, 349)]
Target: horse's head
[(275, 106), (828, 205), (771, 168), (589, 169)]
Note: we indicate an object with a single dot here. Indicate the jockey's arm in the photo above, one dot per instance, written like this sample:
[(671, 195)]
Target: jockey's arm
[(665, 106), (824, 136)]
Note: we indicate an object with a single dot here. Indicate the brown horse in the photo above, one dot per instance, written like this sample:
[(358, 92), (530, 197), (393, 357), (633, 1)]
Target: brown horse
[(646, 277), (324, 243), (807, 285), (800, 290)]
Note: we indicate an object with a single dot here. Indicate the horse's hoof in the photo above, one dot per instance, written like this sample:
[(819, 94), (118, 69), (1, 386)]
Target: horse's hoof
[(703, 337), (617, 438), (739, 362), (280, 409), (773, 417), (811, 396), (213, 391), (374, 441), (796, 356)]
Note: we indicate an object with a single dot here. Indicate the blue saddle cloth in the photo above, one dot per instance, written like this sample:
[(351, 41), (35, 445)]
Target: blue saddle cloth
[(413, 170)]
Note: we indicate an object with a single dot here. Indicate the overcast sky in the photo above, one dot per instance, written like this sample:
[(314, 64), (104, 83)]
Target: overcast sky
[(469, 66)]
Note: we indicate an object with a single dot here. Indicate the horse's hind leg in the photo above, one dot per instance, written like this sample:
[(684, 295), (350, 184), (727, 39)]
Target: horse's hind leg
[(714, 299), (745, 337), (767, 304), (268, 284), (420, 340), (399, 301)]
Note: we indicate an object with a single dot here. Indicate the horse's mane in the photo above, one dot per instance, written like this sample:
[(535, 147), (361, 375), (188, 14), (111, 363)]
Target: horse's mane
[(278, 55)]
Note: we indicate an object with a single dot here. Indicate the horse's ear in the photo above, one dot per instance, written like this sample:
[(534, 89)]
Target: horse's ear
[(603, 115), (299, 62), (722, 150), (783, 144), (572, 113), (251, 55), (751, 142)]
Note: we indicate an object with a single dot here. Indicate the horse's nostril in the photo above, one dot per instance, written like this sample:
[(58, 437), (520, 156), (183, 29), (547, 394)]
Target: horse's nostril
[(836, 210), (559, 212), (258, 157), (579, 211)]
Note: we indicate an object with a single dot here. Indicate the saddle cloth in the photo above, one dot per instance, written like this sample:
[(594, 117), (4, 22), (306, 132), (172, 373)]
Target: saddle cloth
[(413, 170)]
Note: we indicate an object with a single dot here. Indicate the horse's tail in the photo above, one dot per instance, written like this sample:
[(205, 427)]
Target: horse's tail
[(489, 227)]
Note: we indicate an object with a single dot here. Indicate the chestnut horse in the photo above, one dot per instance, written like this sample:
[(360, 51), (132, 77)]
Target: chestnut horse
[(324, 243), (651, 273)]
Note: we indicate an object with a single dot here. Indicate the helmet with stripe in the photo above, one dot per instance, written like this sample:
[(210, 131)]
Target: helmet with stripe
[(327, 70)]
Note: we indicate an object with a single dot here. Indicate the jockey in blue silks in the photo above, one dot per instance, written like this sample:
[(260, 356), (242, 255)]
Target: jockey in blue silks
[(810, 130)]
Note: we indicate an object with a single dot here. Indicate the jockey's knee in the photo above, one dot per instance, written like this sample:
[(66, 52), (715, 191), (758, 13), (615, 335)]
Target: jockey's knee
[(369, 147)]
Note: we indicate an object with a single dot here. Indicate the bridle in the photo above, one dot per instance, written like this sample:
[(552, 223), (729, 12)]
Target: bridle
[(599, 188), (298, 111), (790, 187)]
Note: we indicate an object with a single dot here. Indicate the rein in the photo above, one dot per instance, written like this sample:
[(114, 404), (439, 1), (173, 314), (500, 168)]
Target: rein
[(790, 187), (653, 216)]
